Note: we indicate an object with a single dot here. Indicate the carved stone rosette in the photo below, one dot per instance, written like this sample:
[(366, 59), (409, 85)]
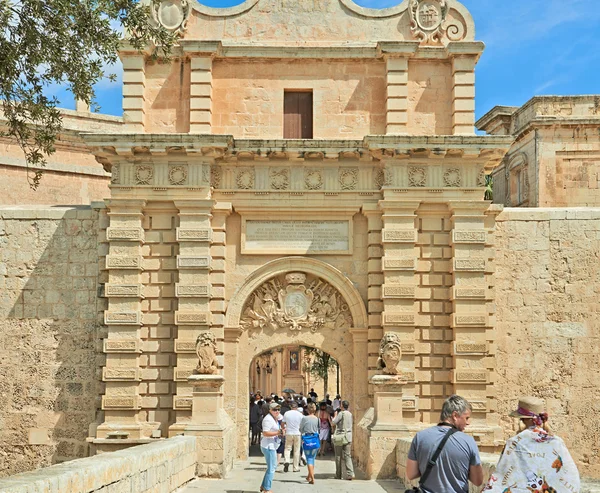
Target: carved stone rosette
[(295, 302), (390, 352), (206, 348)]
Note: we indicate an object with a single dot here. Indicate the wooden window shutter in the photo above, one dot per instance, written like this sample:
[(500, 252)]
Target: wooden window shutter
[(298, 115)]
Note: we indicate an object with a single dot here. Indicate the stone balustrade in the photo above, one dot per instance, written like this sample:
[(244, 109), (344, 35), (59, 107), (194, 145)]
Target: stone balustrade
[(162, 466)]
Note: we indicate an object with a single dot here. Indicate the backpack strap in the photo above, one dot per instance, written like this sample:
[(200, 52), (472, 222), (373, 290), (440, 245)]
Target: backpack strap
[(436, 455)]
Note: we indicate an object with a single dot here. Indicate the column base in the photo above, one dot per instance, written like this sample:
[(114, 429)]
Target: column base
[(214, 430)]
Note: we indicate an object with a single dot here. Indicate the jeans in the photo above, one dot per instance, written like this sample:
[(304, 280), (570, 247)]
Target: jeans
[(343, 461), (293, 442), (271, 458)]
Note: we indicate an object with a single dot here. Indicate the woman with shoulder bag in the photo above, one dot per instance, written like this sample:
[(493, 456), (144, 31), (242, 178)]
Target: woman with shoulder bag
[(309, 429), (271, 439), (342, 443)]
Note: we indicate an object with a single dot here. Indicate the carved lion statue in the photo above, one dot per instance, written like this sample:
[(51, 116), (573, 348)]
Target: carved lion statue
[(390, 351), (206, 348)]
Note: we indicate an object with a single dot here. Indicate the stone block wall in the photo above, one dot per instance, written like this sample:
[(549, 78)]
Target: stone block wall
[(49, 341), (548, 321), (163, 466)]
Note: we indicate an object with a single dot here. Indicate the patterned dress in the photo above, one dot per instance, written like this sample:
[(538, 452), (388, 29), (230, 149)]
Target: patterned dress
[(534, 462)]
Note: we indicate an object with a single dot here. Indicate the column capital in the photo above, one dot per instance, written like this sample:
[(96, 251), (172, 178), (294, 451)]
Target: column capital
[(404, 206), (222, 208), (120, 206)]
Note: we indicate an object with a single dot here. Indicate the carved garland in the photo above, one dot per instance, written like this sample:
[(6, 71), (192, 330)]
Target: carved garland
[(348, 178), (245, 179), (178, 174), (417, 177), (313, 179), (143, 175), (452, 177), (280, 179), (296, 302)]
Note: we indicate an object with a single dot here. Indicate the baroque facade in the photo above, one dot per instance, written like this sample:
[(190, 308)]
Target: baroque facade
[(301, 173)]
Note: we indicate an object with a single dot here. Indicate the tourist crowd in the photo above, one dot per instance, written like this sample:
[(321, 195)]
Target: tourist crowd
[(299, 428), (442, 457)]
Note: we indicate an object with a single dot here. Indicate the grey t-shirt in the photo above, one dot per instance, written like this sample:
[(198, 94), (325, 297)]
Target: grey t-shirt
[(309, 425), (451, 471)]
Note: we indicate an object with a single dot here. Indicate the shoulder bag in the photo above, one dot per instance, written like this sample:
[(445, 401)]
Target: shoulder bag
[(432, 461), (340, 439)]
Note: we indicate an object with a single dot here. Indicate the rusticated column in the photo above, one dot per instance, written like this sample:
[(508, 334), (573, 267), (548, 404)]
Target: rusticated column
[(472, 318), (375, 280), (463, 94), (200, 94), (134, 84), (193, 290), (399, 238), (123, 345), (397, 96)]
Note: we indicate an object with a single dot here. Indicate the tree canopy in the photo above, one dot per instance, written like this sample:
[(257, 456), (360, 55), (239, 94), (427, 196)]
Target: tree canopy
[(65, 42)]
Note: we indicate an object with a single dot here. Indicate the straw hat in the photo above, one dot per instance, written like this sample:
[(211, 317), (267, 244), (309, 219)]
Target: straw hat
[(534, 405)]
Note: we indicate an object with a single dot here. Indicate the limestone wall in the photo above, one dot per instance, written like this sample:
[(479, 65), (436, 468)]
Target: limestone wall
[(49, 340), (548, 323), (71, 174), (163, 466)]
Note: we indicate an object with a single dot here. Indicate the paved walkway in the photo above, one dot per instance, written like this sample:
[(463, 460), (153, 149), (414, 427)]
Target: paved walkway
[(247, 477)]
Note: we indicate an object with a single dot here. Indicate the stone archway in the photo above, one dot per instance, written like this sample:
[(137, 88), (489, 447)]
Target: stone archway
[(340, 329)]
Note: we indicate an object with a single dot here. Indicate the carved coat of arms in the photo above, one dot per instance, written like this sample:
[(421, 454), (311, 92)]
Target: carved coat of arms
[(427, 19), (294, 304)]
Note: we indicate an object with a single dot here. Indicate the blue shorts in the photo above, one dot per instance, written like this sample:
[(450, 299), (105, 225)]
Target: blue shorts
[(310, 456)]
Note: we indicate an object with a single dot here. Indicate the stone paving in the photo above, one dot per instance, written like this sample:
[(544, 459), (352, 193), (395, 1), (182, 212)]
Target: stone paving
[(247, 477)]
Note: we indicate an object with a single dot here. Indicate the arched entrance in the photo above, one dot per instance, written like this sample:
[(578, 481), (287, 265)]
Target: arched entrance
[(294, 301)]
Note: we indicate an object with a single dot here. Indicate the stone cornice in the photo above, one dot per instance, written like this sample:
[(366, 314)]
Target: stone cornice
[(372, 50)]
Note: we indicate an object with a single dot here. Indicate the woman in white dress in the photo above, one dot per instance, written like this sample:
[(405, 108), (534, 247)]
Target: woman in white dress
[(324, 426)]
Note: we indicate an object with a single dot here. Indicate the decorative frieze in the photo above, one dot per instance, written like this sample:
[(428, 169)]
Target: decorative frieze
[(470, 376), (417, 176), (399, 319), (470, 348), (118, 374), (182, 403), (123, 290), (130, 403), (125, 234), (409, 348), (187, 234), (144, 174), (399, 263), (192, 318), (123, 318), (124, 262), (470, 265), (182, 374), (185, 262), (127, 346), (178, 174), (452, 178), (185, 347), (348, 178), (469, 237), (467, 320), (479, 406), (399, 236), (469, 293), (192, 290), (392, 291), (410, 403)]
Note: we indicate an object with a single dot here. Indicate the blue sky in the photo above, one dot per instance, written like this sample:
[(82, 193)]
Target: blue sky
[(533, 47)]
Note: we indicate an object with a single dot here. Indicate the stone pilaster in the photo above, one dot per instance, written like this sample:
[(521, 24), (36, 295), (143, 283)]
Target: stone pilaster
[(375, 281), (463, 94), (400, 313), (473, 319), (200, 92), (397, 96), (123, 345), (193, 291), (134, 83)]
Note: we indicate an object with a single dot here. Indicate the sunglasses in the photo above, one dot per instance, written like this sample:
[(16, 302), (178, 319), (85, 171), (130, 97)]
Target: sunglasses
[(276, 410)]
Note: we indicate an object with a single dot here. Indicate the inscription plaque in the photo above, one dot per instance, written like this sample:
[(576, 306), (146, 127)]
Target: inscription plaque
[(325, 237)]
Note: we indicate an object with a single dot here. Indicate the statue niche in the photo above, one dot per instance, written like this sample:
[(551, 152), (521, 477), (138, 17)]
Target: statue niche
[(296, 303)]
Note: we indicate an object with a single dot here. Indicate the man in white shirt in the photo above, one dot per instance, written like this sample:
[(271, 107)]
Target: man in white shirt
[(292, 419), (337, 403)]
